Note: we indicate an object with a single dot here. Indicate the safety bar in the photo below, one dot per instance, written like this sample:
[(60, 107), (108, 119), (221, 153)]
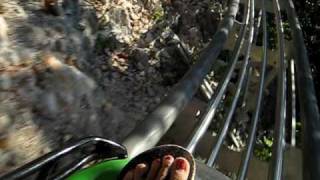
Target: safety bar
[(66, 172)]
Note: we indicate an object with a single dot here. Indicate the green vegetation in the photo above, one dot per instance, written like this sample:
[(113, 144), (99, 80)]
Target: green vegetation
[(264, 149), (158, 14)]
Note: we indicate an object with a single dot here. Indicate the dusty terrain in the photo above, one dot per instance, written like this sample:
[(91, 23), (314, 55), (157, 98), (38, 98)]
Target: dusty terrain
[(90, 67)]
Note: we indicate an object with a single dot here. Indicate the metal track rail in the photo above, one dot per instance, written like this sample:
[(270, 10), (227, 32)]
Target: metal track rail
[(252, 137), (309, 111), (293, 104), (242, 101), (258, 23), (221, 89), (149, 132), (213, 157), (280, 117)]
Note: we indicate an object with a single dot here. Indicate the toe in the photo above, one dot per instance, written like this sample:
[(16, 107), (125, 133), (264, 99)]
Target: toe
[(165, 167), (180, 169), (129, 175), (140, 171), (154, 169)]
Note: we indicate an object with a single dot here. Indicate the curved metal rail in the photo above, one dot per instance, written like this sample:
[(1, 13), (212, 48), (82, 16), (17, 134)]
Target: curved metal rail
[(293, 104), (309, 111), (221, 89), (245, 161), (98, 148), (246, 85), (148, 133), (280, 118), (223, 133)]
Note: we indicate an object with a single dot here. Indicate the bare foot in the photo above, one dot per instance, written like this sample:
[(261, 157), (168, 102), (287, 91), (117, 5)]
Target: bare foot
[(160, 169)]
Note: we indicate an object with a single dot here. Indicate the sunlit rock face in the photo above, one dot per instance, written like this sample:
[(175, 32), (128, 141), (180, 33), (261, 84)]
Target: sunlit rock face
[(69, 69), (47, 93), (73, 68)]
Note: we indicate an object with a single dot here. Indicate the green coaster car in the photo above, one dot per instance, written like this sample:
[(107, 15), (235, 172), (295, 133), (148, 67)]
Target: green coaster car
[(97, 159), (102, 171)]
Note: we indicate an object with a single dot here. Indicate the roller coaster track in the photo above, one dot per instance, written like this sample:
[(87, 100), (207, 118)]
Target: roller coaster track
[(148, 133), (293, 64)]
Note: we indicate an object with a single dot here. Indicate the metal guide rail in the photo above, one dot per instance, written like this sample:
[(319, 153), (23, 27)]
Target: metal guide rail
[(147, 134)]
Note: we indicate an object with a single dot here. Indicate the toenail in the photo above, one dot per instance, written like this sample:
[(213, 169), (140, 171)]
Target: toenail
[(181, 164), (141, 166), (168, 158)]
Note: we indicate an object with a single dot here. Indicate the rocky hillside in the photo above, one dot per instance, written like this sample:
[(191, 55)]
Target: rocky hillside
[(70, 69)]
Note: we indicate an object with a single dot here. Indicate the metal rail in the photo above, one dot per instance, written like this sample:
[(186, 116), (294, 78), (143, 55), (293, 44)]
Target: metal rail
[(246, 85), (280, 117), (149, 132), (214, 154), (252, 137), (293, 103), (205, 87), (74, 167), (100, 147), (258, 23), (309, 111), (217, 97)]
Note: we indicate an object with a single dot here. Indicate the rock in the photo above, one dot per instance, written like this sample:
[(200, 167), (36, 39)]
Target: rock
[(52, 7), (140, 66), (151, 92), (134, 16), (107, 40), (6, 159), (152, 4), (5, 81), (120, 16), (140, 57), (145, 20), (208, 22), (115, 75), (51, 103), (149, 37), (61, 87), (194, 36), (164, 54), (67, 137), (142, 73), (5, 122), (104, 1), (60, 94), (3, 31)]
